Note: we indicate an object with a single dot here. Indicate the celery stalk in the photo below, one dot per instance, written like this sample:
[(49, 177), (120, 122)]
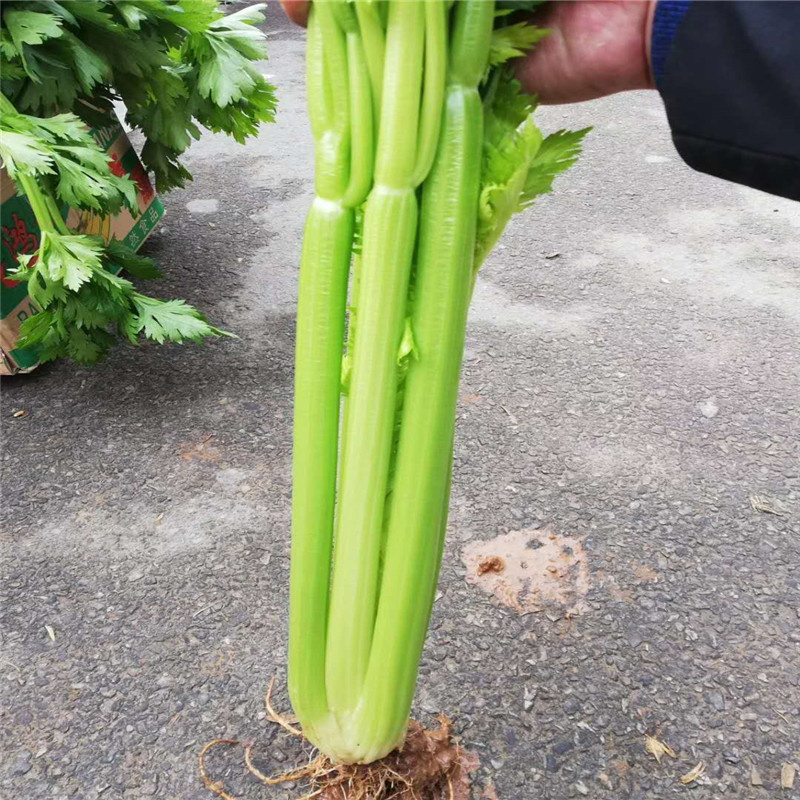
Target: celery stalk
[(333, 70), (422, 470), (390, 223)]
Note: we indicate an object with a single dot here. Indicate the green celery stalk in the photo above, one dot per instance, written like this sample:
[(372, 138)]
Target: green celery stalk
[(358, 619), (374, 40), (390, 223), (433, 91), (418, 514), (333, 70)]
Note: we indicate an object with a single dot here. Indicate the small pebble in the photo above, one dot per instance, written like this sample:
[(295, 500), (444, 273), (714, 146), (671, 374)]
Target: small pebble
[(22, 764)]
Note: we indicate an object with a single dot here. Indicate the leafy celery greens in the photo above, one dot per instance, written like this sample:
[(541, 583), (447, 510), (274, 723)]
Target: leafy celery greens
[(178, 66), (425, 148)]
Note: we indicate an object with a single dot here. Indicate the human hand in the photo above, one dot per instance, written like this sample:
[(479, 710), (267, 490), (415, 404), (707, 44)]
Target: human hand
[(596, 48)]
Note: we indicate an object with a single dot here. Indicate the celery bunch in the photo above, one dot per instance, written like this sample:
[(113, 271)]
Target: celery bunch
[(424, 149), (177, 65)]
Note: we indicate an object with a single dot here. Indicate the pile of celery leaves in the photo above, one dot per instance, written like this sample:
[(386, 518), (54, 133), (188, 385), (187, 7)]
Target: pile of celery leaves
[(177, 65)]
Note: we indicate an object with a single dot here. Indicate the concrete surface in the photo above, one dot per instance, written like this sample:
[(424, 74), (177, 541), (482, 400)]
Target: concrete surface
[(631, 393)]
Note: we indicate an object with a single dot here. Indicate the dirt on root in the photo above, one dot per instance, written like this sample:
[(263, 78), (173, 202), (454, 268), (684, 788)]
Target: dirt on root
[(431, 765)]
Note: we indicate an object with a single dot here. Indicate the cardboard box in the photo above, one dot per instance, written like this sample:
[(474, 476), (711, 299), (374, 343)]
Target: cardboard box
[(20, 235)]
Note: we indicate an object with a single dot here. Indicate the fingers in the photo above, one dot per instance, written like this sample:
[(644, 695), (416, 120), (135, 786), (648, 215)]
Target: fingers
[(595, 48), (296, 10)]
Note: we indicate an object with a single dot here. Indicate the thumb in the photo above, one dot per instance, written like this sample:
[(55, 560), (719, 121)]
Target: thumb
[(296, 10)]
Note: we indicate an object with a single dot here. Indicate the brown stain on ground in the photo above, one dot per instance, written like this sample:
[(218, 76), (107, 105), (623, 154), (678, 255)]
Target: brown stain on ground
[(623, 595), (621, 767), (530, 570), (645, 574), (219, 666), (609, 582), (491, 564), (199, 451)]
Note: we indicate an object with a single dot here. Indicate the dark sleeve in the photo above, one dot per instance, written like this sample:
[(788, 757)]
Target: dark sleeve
[(729, 75)]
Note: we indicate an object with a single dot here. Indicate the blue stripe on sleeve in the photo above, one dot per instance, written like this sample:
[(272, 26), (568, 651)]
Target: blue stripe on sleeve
[(666, 21)]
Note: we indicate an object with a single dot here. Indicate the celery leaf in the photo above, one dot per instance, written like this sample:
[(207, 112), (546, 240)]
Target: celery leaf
[(23, 154), (559, 151), (518, 164), (30, 28), (85, 306), (168, 320), (513, 41)]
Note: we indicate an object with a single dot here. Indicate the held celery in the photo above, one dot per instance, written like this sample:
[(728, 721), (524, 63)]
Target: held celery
[(424, 149)]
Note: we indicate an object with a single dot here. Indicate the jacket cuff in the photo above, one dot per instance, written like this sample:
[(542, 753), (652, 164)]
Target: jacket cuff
[(667, 18)]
